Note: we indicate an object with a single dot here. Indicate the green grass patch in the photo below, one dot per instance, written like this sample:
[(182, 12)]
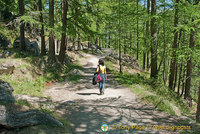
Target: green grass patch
[(151, 91), (159, 103), (23, 103), (28, 87)]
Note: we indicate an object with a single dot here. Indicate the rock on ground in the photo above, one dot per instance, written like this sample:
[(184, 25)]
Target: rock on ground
[(10, 119)]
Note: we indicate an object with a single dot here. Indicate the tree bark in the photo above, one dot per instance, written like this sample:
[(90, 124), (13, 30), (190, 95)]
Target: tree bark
[(79, 40), (154, 41), (120, 56), (109, 44), (64, 26), (22, 36), (180, 79), (137, 33), (125, 46), (189, 66), (183, 82), (130, 46), (51, 55), (74, 44), (175, 76), (43, 47), (145, 43), (173, 61), (147, 33), (165, 55)]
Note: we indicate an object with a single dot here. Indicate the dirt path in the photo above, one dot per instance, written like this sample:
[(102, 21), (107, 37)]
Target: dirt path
[(87, 110)]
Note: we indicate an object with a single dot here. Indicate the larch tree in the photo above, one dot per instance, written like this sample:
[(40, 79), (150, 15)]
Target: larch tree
[(51, 54), (189, 60), (154, 40), (174, 46), (43, 47), (64, 26), (22, 36)]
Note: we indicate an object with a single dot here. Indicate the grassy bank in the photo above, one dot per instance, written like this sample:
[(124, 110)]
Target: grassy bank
[(151, 91), (33, 74)]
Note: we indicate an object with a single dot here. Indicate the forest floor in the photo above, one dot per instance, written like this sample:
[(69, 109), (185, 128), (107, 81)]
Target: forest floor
[(87, 110)]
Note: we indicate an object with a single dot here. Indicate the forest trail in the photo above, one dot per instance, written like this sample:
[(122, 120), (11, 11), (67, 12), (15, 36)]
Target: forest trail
[(87, 110)]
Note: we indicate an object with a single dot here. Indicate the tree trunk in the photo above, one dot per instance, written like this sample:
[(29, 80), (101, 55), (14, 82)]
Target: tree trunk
[(64, 26), (176, 71), (173, 61), (52, 57), (130, 46), (22, 37), (180, 79), (43, 47), (74, 44), (189, 66), (175, 76), (109, 44), (120, 56), (145, 43), (125, 46), (117, 42), (165, 55), (154, 41), (147, 33), (137, 33), (198, 107), (183, 82), (34, 25), (79, 40)]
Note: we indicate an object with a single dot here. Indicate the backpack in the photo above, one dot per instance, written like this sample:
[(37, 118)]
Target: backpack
[(97, 78), (94, 80)]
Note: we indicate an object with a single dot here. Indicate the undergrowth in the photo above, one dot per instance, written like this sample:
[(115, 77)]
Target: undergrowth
[(32, 83), (151, 91)]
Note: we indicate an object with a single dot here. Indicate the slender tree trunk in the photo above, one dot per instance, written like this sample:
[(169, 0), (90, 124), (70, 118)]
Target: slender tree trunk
[(176, 71), (34, 25), (51, 56), (137, 32), (109, 40), (154, 41), (88, 43), (165, 55), (79, 40), (125, 46), (180, 79), (175, 76), (116, 42), (100, 42), (145, 43), (173, 61), (22, 37), (74, 44), (120, 56), (133, 45), (130, 46), (189, 66), (43, 47), (198, 107), (64, 26), (183, 82), (147, 32)]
